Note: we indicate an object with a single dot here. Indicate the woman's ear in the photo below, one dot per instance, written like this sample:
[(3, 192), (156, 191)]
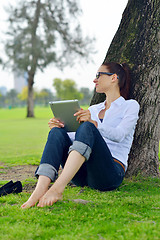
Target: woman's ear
[(114, 78)]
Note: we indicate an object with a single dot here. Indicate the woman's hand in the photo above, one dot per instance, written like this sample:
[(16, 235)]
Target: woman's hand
[(54, 122), (84, 116)]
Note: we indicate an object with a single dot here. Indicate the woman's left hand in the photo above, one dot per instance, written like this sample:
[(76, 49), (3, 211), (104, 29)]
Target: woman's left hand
[(83, 115)]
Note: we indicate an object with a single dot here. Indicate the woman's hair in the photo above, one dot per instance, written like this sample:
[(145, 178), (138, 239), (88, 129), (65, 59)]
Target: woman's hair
[(123, 72)]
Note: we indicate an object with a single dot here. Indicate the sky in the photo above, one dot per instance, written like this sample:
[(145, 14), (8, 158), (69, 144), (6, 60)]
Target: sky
[(100, 19)]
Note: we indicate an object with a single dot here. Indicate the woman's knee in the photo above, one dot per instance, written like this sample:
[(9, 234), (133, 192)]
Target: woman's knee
[(86, 133), (56, 133), (86, 127)]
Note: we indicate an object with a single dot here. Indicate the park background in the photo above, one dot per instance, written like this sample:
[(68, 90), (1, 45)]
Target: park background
[(130, 212), (100, 19)]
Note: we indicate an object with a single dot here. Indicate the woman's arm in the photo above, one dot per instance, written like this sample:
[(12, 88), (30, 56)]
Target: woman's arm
[(126, 126)]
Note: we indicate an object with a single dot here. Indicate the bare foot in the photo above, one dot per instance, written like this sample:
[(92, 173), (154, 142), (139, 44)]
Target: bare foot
[(34, 198), (40, 190), (49, 198), (30, 203)]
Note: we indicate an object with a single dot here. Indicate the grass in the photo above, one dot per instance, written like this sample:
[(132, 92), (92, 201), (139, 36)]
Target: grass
[(22, 140), (130, 212)]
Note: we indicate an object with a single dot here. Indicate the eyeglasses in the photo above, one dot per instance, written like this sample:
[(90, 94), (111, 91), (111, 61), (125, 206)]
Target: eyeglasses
[(106, 73)]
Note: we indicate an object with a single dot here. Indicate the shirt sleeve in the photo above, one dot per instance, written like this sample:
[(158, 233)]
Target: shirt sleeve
[(126, 126)]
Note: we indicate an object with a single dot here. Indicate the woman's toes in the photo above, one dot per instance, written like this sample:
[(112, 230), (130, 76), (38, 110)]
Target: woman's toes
[(28, 204)]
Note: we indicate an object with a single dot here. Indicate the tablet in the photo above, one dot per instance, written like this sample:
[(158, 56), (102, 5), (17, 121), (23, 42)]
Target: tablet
[(64, 111)]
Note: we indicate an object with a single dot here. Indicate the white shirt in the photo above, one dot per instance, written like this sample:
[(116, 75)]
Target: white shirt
[(118, 126)]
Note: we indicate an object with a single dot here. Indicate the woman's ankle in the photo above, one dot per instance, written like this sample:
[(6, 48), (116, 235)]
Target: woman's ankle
[(59, 189)]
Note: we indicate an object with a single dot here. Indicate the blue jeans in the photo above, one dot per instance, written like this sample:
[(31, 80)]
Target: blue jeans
[(99, 171)]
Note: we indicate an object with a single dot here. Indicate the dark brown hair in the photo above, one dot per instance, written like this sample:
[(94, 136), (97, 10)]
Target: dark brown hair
[(123, 72)]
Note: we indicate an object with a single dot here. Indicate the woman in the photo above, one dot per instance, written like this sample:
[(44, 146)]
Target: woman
[(96, 155)]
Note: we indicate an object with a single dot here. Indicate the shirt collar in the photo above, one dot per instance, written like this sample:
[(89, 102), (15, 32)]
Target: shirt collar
[(118, 102)]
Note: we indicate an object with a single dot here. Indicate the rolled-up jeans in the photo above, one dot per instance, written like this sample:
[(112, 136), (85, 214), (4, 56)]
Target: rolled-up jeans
[(99, 171)]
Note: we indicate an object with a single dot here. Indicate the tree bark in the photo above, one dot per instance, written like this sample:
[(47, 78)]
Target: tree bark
[(137, 42), (30, 100)]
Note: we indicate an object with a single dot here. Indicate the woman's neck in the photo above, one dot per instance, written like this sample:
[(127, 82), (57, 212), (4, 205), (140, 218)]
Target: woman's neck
[(111, 98)]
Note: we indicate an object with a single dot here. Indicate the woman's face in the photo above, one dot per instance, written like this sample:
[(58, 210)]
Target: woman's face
[(103, 82)]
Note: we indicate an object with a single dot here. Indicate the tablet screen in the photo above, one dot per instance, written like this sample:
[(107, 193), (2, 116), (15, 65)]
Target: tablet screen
[(64, 111)]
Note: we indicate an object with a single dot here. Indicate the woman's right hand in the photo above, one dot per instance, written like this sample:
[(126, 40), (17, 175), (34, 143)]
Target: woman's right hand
[(54, 122)]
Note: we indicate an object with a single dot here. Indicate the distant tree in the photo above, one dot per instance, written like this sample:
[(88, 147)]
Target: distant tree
[(42, 32), (44, 96), (24, 94), (87, 95), (67, 89), (11, 98), (2, 100), (137, 42)]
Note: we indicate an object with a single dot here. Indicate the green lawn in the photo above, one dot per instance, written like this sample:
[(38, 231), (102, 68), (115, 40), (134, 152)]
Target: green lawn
[(22, 140), (130, 212)]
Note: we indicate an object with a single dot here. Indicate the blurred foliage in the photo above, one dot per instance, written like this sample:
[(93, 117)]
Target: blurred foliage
[(66, 89), (24, 94), (87, 95)]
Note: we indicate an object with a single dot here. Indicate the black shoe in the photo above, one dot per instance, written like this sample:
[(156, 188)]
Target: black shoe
[(7, 185), (11, 187), (2, 189)]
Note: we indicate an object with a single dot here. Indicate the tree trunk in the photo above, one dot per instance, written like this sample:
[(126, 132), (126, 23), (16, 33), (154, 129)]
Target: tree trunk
[(30, 100), (137, 43)]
